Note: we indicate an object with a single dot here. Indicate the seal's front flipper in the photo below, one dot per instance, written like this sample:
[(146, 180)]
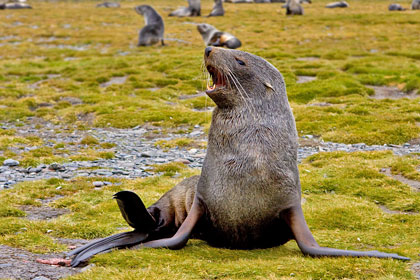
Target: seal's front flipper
[(118, 241), (307, 244), (134, 211)]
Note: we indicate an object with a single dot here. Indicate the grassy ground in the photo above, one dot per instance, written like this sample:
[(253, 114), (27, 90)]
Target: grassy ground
[(85, 46), (343, 193), (347, 49)]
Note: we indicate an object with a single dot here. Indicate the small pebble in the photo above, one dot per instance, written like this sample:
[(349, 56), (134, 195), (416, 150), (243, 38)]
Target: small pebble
[(40, 278), (98, 183)]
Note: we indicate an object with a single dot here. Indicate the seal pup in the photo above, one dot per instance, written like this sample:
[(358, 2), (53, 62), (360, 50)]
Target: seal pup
[(293, 7), (108, 5), (415, 5), (152, 32), (340, 4), (14, 6), (193, 10), (214, 37), (395, 7), (217, 9), (248, 194)]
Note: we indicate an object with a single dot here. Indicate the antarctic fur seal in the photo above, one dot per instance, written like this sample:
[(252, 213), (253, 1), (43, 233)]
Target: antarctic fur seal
[(248, 194), (214, 37), (293, 7), (108, 5), (14, 6), (415, 5), (395, 7), (152, 32), (217, 9), (340, 4), (239, 1), (193, 10)]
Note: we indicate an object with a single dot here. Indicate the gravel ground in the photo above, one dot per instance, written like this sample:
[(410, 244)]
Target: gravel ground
[(135, 151)]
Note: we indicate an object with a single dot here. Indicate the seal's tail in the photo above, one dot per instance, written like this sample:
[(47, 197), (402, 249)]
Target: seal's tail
[(116, 241), (136, 215)]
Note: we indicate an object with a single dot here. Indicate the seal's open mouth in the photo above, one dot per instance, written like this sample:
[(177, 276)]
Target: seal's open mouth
[(218, 78)]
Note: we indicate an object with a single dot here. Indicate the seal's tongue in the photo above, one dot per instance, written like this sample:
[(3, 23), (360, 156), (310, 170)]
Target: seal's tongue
[(217, 78)]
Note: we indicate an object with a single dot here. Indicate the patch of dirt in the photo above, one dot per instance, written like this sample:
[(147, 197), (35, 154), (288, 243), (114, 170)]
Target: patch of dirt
[(42, 213), (320, 104), (416, 270), (412, 183), (305, 79), (114, 81), (20, 264), (305, 142), (383, 92), (389, 211), (307, 58), (190, 96)]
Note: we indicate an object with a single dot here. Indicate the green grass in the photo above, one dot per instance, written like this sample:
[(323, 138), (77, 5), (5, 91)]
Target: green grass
[(342, 193), (362, 45)]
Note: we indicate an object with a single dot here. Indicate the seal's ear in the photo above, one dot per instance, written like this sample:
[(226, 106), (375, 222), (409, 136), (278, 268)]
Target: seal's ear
[(268, 85)]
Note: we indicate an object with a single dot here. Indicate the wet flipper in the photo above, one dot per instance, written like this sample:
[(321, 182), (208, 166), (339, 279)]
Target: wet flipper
[(117, 241), (134, 211), (136, 215)]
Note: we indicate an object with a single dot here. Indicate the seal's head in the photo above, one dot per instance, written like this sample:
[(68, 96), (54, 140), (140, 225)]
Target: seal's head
[(207, 31), (240, 77), (142, 9), (204, 28)]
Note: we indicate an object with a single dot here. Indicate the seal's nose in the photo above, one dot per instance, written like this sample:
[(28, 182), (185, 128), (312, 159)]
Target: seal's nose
[(207, 51)]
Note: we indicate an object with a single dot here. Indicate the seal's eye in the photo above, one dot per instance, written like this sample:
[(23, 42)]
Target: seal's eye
[(240, 61)]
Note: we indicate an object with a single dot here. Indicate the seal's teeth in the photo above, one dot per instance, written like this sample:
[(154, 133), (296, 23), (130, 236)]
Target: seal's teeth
[(209, 87)]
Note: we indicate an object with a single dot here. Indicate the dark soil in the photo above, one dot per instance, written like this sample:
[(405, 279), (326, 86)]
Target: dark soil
[(20, 264)]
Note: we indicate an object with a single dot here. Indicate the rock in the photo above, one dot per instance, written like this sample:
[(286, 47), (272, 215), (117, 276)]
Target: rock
[(10, 162), (196, 133), (146, 154), (193, 151), (34, 169), (98, 183), (40, 278), (57, 167)]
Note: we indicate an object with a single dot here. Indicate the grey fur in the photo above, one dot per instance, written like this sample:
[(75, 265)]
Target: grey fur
[(395, 7), (153, 31), (415, 5), (214, 37), (293, 7), (108, 5), (217, 9), (193, 9), (340, 4)]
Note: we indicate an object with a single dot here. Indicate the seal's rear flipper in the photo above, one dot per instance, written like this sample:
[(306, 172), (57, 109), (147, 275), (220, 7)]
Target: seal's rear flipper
[(307, 244), (136, 215), (118, 241), (134, 211)]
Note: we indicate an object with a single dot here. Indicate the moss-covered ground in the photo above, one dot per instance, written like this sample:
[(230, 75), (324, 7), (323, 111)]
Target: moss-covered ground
[(56, 59)]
